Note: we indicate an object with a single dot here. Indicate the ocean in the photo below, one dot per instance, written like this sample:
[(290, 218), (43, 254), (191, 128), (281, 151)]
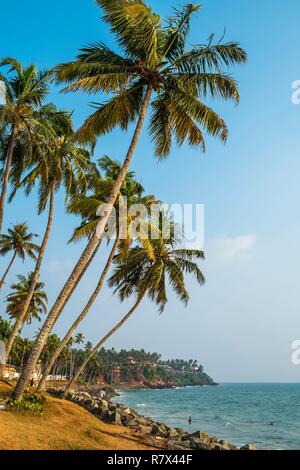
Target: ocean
[(267, 415)]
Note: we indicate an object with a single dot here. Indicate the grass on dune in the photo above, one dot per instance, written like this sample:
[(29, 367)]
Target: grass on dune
[(64, 426)]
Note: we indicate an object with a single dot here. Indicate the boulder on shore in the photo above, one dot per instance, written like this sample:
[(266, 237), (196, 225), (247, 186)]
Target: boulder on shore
[(249, 447)]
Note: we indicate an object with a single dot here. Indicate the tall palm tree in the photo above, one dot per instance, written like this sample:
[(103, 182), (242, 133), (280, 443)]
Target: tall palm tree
[(18, 240), (25, 90), (5, 330), (63, 165), (25, 348), (155, 70), (141, 275), (79, 339), (87, 207), (88, 347), (38, 302)]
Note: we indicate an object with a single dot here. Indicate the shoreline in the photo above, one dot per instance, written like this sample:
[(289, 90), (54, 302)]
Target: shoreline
[(173, 387), (89, 420), (146, 429)]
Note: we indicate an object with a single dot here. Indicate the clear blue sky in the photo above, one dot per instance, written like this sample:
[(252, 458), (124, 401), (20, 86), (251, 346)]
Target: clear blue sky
[(242, 323)]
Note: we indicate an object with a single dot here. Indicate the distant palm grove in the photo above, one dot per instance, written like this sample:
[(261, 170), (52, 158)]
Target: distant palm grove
[(108, 366), (153, 82)]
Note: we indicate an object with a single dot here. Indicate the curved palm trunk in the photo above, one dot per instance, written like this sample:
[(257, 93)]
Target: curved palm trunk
[(8, 269), (69, 286), (7, 173), (20, 320), (100, 344), (91, 259), (79, 319)]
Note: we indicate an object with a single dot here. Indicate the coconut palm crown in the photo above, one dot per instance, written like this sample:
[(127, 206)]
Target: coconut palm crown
[(154, 56), (139, 273), (38, 303), (18, 239), (25, 89)]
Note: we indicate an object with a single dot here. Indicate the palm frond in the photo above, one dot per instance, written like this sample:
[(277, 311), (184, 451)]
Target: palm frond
[(137, 28), (178, 30), (120, 110)]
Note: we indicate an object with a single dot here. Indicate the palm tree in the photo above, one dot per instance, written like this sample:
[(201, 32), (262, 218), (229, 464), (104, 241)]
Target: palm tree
[(25, 90), (19, 241), (50, 346), (87, 207), (14, 308), (63, 165), (79, 339), (38, 303), (155, 70), (141, 275), (20, 350), (88, 347), (5, 330)]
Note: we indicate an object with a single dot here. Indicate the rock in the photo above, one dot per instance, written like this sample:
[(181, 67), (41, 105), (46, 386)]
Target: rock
[(126, 419), (145, 430), (150, 420), (88, 403), (203, 436), (106, 416), (103, 404), (96, 410), (141, 421), (227, 445), (173, 433), (2, 407), (127, 411), (93, 407), (117, 418), (159, 430), (197, 444), (219, 447), (85, 395), (248, 447), (177, 445), (133, 423), (112, 406), (112, 417)]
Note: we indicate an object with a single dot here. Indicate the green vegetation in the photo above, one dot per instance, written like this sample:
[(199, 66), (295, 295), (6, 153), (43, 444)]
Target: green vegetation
[(153, 81), (30, 402), (134, 366)]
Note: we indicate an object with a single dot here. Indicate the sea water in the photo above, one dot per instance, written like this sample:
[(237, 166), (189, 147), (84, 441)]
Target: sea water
[(267, 415)]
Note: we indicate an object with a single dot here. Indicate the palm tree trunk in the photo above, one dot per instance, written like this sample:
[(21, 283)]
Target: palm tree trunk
[(100, 344), (20, 320), (9, 156), (90, 376), (68, 287), (91, 259), (8, 269), (22, 362), (83, 314)]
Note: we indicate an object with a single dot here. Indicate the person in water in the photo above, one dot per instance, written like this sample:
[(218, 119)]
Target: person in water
[(190, 420)]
